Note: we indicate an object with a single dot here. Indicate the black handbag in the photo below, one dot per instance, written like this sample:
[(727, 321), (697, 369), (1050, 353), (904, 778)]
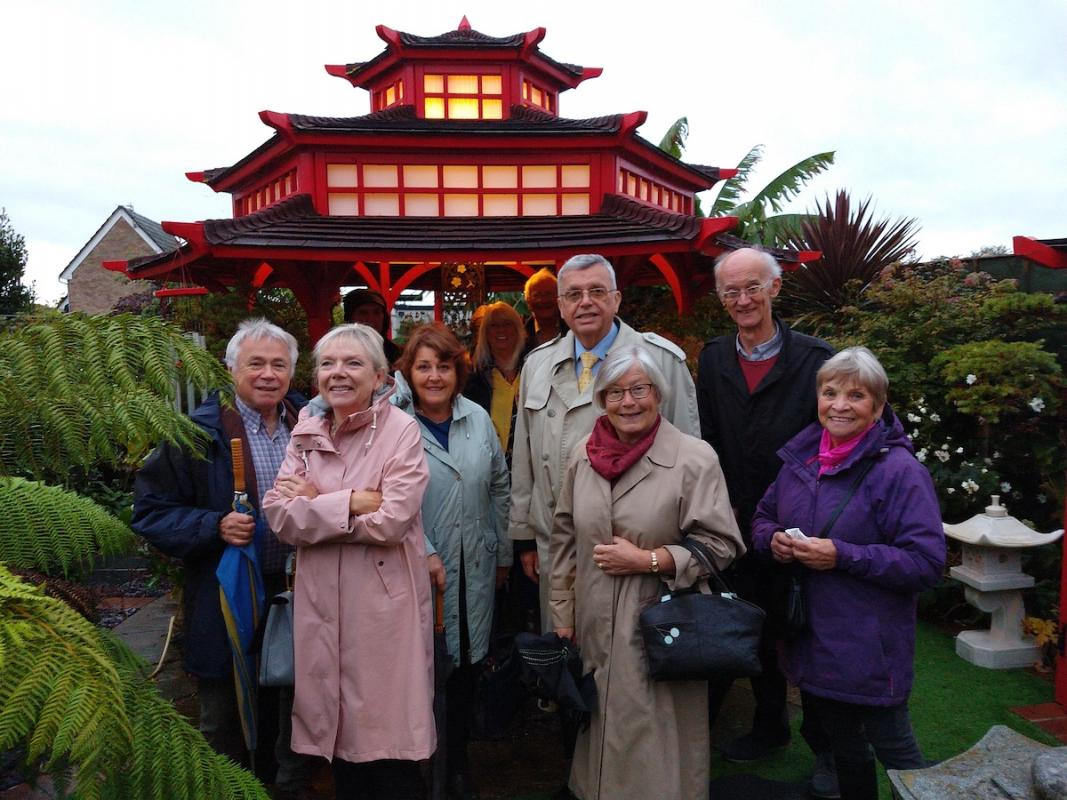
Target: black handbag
[(694, 636)]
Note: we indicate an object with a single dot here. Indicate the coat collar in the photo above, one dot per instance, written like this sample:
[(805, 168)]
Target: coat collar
[(662, 453), (730, 370), (562, 366)]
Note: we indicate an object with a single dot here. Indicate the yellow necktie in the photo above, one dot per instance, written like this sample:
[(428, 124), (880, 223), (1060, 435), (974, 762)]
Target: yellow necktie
[(586, 378)]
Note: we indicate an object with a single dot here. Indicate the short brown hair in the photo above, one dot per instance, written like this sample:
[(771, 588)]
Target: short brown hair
[(444, 343)]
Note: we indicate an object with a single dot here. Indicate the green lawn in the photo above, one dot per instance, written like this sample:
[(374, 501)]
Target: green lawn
[(953, 705)]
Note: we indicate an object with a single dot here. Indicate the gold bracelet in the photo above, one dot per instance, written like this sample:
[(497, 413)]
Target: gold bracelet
[(655, 563)]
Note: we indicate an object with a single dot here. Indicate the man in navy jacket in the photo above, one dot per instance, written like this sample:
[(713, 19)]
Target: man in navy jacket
[(755, 391), (182, 506)]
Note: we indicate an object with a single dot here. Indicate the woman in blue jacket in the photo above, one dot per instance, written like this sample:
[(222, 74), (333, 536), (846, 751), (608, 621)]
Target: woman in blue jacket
[(465, 515), (870, 539)]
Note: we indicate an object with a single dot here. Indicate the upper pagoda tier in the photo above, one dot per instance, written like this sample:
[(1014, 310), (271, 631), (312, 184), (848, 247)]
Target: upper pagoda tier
[(463, 74)]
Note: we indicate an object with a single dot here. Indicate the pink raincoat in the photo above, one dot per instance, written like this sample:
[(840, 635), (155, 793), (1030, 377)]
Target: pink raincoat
[(363, 608)]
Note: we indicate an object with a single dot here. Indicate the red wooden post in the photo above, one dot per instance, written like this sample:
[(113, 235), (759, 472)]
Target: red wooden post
[(1061, 662)]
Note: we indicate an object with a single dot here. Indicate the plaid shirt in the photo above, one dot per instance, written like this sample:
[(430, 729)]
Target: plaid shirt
[(268, 452)]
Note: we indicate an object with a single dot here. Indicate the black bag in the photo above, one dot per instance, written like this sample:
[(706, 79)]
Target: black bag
[(794, 609), (693, 636)]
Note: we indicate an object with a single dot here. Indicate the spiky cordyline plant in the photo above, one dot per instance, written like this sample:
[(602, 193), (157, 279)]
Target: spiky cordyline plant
[(81, 392), (855, 249)]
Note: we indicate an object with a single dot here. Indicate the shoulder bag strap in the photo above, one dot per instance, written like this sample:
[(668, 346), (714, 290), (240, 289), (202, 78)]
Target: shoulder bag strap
[(706, 560), (868, 463)]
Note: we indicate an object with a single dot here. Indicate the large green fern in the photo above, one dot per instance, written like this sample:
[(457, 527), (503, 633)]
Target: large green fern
[(51, 530), (80, 391), (75, 700)]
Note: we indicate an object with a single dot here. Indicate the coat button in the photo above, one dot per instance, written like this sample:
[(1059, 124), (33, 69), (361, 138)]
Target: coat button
[(544, 456), (551, 412), (381, 563)]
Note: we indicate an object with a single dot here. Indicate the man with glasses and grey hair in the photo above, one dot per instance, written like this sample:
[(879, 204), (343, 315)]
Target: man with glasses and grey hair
[(555, 405), (556, 410), (182, 505), (756, 390)]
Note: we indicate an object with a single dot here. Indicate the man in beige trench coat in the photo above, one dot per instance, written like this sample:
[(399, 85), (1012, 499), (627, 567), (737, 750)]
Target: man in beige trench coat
[(555, 404)]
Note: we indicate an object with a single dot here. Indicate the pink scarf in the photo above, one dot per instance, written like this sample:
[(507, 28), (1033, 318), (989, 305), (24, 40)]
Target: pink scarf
[(610, 456), (830, 456)]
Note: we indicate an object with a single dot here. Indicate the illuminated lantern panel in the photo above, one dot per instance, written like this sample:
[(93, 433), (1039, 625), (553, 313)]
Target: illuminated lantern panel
[(652, 192), (534, 95), (266, 194), (389, 96), (457, 190), (462, 96)]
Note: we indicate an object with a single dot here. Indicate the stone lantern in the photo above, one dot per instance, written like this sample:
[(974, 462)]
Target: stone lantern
[(992, 574)]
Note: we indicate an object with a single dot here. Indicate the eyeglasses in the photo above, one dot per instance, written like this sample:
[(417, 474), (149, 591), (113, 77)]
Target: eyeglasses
[(596, 294), (752, 292), (639, 391)]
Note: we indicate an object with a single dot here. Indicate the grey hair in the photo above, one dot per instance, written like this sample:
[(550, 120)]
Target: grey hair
[(859, 364), (619, 362), (483, 354), (770, 263), (363, 335), (259, 328), (585, 261), (543, 275)]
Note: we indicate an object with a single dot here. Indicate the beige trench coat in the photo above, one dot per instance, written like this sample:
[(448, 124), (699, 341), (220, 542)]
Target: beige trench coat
[(552, 417), (363, 608), (646, 738)]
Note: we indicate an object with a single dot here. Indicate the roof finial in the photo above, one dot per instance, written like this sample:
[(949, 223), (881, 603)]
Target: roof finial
[(463, 24)]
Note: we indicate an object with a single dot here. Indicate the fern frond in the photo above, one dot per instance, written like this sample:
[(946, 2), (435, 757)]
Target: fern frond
[(50, 529)]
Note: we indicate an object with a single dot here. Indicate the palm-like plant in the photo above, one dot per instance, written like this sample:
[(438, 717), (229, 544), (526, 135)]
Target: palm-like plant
[(82, 392), (756, 223), (855, 249)]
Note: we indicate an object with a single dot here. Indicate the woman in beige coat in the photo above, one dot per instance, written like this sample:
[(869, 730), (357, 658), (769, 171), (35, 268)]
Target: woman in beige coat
[(633, 489), (349, 496)]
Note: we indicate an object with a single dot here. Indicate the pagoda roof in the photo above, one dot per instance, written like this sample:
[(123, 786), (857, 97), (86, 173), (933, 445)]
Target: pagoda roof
[(463, 41), (293, 228), (524, 123), (1050, 253)]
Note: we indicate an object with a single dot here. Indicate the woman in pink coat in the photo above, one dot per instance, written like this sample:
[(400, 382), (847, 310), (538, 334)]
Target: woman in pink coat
[(349, 495)]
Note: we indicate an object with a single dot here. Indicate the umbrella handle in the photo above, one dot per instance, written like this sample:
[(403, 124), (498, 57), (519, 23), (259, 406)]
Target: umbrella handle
[(438, 609), (238, 456)]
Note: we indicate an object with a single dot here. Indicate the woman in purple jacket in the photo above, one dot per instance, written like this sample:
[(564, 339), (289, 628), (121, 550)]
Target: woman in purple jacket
[(869, 540)]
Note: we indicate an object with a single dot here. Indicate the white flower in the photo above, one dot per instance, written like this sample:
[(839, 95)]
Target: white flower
[(959, 450), (969, 486), (1037, 404), (971, 378), (1042, 499), (921, 455), (950, 490), (1005, 487), (942, 455), (935, 417), (914, 417), (984, 470), (996, 454)]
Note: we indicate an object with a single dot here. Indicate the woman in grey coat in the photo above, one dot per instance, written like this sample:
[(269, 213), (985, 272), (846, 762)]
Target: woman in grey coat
[(465, 513)]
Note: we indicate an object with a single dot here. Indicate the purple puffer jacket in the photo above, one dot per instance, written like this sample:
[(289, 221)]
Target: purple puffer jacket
[(860, 642)]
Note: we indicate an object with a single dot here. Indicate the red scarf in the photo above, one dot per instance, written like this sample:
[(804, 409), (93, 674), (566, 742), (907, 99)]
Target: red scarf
[(610, 456), (830, 456)]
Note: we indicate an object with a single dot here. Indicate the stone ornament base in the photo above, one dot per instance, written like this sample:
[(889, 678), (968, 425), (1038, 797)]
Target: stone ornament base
[(1004, 765), (993, 652)]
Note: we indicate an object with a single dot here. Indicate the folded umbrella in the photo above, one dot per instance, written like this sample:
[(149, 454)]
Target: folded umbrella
[(552, 667), (243, 598)]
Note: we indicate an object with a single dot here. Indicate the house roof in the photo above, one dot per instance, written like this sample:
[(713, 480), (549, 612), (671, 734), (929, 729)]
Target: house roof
[(1050, 253), (149, 230)]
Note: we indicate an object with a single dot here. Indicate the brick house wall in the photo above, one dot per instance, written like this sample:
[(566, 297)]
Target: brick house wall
[(93, 289)]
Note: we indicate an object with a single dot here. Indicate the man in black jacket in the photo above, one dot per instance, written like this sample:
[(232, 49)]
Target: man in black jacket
[(755, 391)]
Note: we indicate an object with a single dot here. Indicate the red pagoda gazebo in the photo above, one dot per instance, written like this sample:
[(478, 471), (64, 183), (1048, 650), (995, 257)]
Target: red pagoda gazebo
[(462, 174)]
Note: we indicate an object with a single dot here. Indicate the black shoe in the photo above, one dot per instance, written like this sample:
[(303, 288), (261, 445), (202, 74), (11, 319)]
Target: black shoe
[(751, 747), (823, 781), (460, 787)]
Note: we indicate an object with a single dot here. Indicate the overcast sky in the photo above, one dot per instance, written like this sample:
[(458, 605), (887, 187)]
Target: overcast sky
[(951, 112)]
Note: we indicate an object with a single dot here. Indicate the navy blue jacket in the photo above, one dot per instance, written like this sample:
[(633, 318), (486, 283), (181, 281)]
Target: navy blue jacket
[(860, 640), (178, 502)]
